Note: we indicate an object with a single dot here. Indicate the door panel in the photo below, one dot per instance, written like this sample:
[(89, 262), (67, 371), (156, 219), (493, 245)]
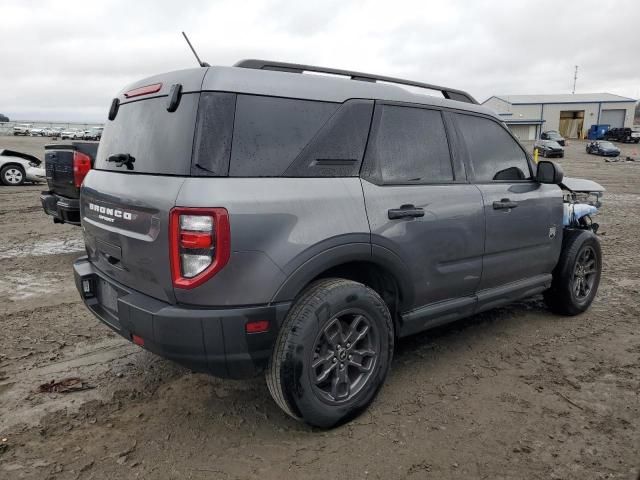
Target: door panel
[(443, 248), (523, 218), (524, 241)]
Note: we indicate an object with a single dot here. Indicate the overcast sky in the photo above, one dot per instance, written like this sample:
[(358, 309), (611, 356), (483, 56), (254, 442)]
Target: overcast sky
[(65, 60)]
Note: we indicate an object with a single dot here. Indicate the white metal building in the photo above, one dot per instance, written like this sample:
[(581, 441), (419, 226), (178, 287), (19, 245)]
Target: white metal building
[(570, 114)]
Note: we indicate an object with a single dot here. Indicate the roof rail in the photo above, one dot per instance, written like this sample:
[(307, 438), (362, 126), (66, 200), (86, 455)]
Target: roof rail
[(450, 93)]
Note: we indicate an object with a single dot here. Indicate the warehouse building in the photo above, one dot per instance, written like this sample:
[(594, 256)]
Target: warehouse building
[(570, 114)]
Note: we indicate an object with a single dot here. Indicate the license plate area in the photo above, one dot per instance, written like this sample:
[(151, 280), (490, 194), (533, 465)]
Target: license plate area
[(107, 296)]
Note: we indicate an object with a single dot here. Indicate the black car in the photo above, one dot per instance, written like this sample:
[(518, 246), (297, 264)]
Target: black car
[(549, 148), (605, 149), (624, 135), (553, 135)]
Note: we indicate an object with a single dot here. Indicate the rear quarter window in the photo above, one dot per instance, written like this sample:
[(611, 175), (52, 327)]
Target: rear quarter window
[(269, 133)]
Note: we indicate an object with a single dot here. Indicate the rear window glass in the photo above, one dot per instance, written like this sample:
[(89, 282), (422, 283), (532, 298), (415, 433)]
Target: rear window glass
[(269, 133), (159, 141)]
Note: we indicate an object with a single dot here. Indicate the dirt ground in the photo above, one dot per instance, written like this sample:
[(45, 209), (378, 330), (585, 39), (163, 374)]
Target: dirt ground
[(513, 393)]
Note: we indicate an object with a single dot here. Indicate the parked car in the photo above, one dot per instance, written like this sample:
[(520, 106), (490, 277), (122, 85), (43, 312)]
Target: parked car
[(603, 148), (553, 135), (94, 133), (22, 129), (66, 165), (71, 134), (310, 221), (37, 132), (549, 148), (17, 167), (624, 135)]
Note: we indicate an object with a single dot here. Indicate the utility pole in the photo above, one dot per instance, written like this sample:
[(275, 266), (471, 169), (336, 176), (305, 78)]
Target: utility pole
[(575, 79)]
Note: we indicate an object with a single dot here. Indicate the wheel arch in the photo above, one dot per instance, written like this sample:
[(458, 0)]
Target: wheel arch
[(377, 267), (13, 164)]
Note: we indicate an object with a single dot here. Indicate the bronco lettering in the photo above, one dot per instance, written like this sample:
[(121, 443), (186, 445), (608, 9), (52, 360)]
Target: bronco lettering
[(106, 213)]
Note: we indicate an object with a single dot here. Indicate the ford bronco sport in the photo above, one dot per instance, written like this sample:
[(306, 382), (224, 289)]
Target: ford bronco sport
[(259, 218)]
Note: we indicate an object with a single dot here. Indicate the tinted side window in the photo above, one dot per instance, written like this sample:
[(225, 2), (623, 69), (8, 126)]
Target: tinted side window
[(214, 132), (409, 146), (269, 133), (493, 153)]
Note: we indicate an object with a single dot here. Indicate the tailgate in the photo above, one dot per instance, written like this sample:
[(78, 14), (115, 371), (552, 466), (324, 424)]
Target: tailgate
[(125, 223), (58, 161)]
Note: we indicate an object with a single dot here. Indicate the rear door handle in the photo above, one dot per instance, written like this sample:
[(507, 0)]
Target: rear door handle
[(405, 211), (505, 203)]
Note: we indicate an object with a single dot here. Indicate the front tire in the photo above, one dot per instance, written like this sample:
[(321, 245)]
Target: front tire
[(577, 274), (12, 175), (332, 354)]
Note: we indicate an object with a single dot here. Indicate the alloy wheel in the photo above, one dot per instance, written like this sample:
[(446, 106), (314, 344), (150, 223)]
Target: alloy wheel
[(13, 176), (584, 273), (345, 355)]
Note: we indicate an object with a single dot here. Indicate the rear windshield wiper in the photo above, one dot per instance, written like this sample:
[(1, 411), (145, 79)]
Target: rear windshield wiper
[(121, 159)]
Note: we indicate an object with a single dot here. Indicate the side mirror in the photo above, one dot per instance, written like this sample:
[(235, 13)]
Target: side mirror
[(549, 172)]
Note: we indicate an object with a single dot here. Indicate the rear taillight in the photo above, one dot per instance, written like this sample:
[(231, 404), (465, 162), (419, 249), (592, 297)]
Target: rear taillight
[(81, 166), (200, 244)]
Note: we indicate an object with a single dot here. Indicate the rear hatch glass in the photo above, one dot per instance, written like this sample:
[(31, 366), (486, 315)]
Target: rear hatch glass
[(160, 142)]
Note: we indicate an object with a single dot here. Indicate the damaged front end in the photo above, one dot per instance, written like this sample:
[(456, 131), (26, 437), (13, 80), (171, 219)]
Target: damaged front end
[(582, 199)]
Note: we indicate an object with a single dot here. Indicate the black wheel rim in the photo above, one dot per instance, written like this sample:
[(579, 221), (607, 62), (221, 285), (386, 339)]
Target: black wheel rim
[(344, 357), (584, 273)]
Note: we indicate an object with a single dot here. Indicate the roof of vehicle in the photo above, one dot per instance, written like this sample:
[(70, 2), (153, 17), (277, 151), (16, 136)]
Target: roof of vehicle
[(307, 86)]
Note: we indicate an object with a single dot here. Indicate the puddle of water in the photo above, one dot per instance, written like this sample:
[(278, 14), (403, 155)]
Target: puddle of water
[(39, 249), (20, 287)]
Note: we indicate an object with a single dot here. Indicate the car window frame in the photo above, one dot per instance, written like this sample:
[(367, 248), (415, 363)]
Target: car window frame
[(369, 166), (467, 157)]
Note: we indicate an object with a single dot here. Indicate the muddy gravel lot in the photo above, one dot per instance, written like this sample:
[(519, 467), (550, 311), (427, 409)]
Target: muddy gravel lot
[(512, 393)]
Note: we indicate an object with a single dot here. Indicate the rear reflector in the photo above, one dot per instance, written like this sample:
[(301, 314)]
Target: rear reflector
[(257, 326), (81, 166), (199, 243), (137, 340), (146, 90)]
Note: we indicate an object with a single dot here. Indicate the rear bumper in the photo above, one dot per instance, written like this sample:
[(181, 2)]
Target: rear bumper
[(205, 340), (62, 209)]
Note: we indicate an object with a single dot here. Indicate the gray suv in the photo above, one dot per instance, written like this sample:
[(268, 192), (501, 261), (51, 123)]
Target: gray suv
[(258, 218)]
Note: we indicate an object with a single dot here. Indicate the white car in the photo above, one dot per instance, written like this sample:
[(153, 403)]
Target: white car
[(16, 168), (72, 134), (36, 132), (22, 129)]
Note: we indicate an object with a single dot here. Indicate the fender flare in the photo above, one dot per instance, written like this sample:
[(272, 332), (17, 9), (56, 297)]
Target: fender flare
[(341, 254)]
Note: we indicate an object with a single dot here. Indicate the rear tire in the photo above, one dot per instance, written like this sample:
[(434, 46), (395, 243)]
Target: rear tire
[(577, 274), (332, 354)]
